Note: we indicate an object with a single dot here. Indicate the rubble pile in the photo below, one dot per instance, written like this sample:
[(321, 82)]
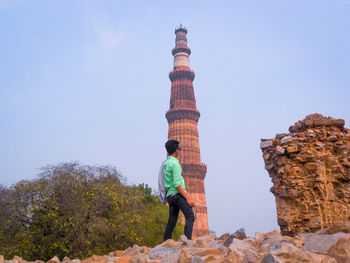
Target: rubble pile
[(310, 171), (329, 245)]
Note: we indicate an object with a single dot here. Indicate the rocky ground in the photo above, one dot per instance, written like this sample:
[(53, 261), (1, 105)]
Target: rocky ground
[(330, 245)]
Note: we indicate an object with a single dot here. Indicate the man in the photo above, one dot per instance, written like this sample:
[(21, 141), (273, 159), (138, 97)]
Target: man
[(177, 196)]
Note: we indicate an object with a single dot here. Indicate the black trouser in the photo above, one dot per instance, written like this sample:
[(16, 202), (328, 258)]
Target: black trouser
[(177, 202)]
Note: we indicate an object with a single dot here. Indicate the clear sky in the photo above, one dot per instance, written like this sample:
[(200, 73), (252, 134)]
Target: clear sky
[(88, 81)]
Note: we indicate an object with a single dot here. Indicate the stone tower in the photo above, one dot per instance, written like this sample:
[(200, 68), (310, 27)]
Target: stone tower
[(183, 118)]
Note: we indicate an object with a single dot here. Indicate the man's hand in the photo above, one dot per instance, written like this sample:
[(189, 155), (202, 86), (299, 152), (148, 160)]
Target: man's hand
[(189, 201), (185, 195)]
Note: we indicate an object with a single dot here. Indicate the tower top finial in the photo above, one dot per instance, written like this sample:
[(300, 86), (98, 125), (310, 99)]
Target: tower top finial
[(180, 28)]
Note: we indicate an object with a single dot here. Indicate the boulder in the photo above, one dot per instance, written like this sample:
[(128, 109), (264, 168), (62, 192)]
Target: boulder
[(240, 234), (117, 253), (124, 259), (319, 258), (266, 143), (289, 253), (197, 260), (188, 252), (52, 260), (341, 250), (162, 252), (66, 260), (135, 249), (170, 243), (269, 258), (239, 249), (322, 243), (287, 139), (209, 243), (224, 237), (170, 258), (93, 259), (185, 241)]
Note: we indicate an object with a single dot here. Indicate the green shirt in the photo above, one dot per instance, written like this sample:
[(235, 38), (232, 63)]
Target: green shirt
[(173, 176)]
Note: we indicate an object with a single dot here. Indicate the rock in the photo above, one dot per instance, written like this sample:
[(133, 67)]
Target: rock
[(316, 120), (322, 243), (66, 260), (287, 139), (267, 243), (184, 240), (341, 250), (240, 234), (239, 248), (332, 138), (171, 258), (17, 259), (311, 181), (319, 258), (140, 258), (250, 258), (280, 149), (293, 148), (268, 258), (188, 252), (161, 252), (319, 144), (251, 241), (135, 249), (211, 236), (170, 243), (117, 253), (2, 260), (205, 242), (229, 240), (265, 144), (289, 253), (197, 260), (224, 237), (261, 237), (125, 259), (95, 259), (54, 260), (343, 227)]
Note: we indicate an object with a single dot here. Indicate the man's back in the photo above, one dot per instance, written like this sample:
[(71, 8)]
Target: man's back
[(173, 175)]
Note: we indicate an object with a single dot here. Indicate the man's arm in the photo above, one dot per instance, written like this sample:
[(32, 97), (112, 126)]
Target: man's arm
[(185, 195), (177, 178)]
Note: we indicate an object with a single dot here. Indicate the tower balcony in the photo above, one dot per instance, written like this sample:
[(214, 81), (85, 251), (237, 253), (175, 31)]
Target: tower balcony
[(180, 114), (181, 48), (181, 73)]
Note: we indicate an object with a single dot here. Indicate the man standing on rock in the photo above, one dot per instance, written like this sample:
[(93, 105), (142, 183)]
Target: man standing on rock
[(177, 196)]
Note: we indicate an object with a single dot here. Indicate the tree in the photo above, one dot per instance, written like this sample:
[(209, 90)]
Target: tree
[(76, 211)]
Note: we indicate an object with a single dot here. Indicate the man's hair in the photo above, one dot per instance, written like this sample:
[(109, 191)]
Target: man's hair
[(171, 146)]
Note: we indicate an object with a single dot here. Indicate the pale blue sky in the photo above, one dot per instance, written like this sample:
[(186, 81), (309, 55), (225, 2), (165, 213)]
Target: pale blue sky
[(88, 81)]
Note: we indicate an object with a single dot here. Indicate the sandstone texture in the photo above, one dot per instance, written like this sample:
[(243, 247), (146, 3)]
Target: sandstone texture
[(310, 172), (263, 248)]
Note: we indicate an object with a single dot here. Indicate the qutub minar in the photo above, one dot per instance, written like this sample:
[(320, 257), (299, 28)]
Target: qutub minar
[(182, 118)]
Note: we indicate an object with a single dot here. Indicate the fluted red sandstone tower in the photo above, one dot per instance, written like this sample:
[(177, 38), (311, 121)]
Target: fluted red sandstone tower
[(182, 118)]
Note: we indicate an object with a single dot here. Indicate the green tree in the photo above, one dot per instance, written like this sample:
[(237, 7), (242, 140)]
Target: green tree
[(76, 211)]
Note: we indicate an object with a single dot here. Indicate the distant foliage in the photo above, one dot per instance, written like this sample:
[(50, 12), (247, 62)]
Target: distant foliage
[(77, 211)]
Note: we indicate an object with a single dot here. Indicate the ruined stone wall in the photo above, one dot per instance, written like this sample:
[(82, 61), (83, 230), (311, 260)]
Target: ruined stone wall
[(310, 172)]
